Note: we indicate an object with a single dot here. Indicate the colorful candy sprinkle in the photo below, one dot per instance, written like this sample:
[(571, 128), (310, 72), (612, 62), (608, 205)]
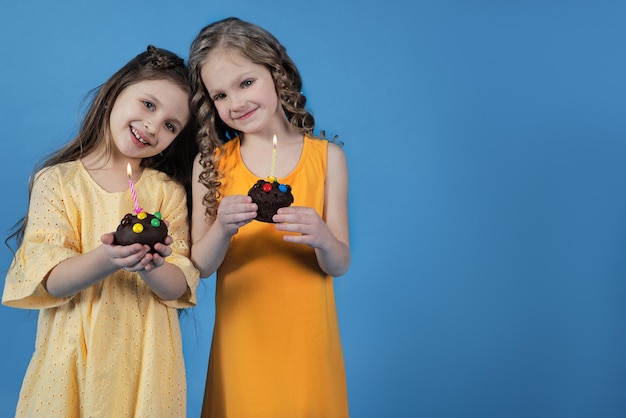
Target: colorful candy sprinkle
[(282, 188), (142, 215), (137, 228), (155, 222), (267, 187)]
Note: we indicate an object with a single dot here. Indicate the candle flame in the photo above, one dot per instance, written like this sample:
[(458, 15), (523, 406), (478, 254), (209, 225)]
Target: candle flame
[(129, 171), (274, 142)]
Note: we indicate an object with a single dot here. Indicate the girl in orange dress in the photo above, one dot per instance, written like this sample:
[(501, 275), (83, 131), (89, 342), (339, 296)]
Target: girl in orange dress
[(276, 349), (108, 338)]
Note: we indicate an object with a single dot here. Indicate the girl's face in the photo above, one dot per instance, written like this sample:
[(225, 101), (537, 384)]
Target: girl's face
[(243, 92), (147, 116)]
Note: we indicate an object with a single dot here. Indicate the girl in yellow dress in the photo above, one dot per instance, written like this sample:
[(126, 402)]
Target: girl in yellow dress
[(276, 349), (108, 339)]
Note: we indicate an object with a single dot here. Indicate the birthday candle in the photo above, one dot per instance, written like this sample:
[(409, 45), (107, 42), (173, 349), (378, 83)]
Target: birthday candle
[(132, 189), (271, 177)]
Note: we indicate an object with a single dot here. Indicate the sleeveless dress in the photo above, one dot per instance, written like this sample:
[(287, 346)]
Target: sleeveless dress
[(276, 350)]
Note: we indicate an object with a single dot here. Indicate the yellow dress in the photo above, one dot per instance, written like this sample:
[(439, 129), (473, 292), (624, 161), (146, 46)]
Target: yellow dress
[(276, 350), (114, 349)]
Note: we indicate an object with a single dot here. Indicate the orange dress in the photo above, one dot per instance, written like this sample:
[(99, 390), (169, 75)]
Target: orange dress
[(276, 350)]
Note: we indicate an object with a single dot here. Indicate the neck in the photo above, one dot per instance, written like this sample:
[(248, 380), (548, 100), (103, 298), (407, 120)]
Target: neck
[(101, 160)]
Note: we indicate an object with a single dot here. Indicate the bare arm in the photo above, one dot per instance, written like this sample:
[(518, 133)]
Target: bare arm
[(330, 236), (74, 274), (210, 237)]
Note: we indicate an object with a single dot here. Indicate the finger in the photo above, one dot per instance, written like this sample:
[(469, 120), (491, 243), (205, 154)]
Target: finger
[(246, 221), (294, 210), (164, 250), (298, 239), (157, 260), (150, 266), (130, 255), (136, 251), (147, 259), (296, 214), (107, 238), (237, 209), (241, 217), (292, 218), (289, 227)]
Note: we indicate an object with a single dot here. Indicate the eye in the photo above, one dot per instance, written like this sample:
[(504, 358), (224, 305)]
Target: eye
[(170, 126), (148, 105), (247, 83), (219, 96)]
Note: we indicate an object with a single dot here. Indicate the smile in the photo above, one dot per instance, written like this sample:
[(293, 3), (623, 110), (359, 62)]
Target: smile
[(138, 136), (246, 115)]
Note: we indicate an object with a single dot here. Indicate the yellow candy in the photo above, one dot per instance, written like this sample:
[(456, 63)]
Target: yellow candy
[(138, 228), (272, 179), (142, 215)]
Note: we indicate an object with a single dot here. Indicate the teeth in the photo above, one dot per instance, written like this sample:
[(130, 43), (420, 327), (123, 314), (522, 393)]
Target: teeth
[(138, 137)]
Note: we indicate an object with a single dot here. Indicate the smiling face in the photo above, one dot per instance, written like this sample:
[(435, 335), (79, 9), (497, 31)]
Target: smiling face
[(243, 92), (146, 117)]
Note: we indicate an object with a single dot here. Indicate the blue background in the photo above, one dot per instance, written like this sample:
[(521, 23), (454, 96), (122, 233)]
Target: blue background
[(486, 147)]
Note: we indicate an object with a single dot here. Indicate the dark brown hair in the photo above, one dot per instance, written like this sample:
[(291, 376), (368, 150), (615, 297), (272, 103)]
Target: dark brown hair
[(176, 160)]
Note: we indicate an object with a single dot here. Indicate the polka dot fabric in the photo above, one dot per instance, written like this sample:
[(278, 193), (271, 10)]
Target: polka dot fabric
[(113, 349)]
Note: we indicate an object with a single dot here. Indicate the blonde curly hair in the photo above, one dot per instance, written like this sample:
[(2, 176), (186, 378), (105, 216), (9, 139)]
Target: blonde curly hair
[(260, 47)]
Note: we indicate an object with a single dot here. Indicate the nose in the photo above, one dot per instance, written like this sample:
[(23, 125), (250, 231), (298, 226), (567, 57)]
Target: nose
[(237, 102), (150, 127)]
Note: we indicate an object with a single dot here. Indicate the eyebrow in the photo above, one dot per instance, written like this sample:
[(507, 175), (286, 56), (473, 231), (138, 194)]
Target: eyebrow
[(236, 82), (212, 92), (152, 98)]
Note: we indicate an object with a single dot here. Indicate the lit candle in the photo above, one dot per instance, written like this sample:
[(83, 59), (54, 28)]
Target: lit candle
[(132, 189), (271, 177)]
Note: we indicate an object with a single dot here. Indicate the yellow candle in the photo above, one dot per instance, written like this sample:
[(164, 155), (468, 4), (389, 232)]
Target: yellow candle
[(273, 166)]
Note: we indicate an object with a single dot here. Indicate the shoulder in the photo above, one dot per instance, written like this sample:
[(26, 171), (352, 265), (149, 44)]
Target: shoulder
[(159, 180), (324, 144), (228, 149), (197, 167), (335, 154), (337, 164), (227, 157), (155, 176), (232, 144), (57, 173), (335, 151)]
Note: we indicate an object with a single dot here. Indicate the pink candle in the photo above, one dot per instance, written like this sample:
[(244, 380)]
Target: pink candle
[(132, 189)]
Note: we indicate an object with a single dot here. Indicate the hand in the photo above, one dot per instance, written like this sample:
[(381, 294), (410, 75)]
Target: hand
[(135, 257), (163, 250), (306, 221), (234, 212)]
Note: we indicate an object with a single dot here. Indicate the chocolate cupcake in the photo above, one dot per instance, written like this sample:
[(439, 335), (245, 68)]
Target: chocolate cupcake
[(144, 228), (269, 197)]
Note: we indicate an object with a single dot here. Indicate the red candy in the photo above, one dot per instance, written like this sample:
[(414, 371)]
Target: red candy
[(267, 187)]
